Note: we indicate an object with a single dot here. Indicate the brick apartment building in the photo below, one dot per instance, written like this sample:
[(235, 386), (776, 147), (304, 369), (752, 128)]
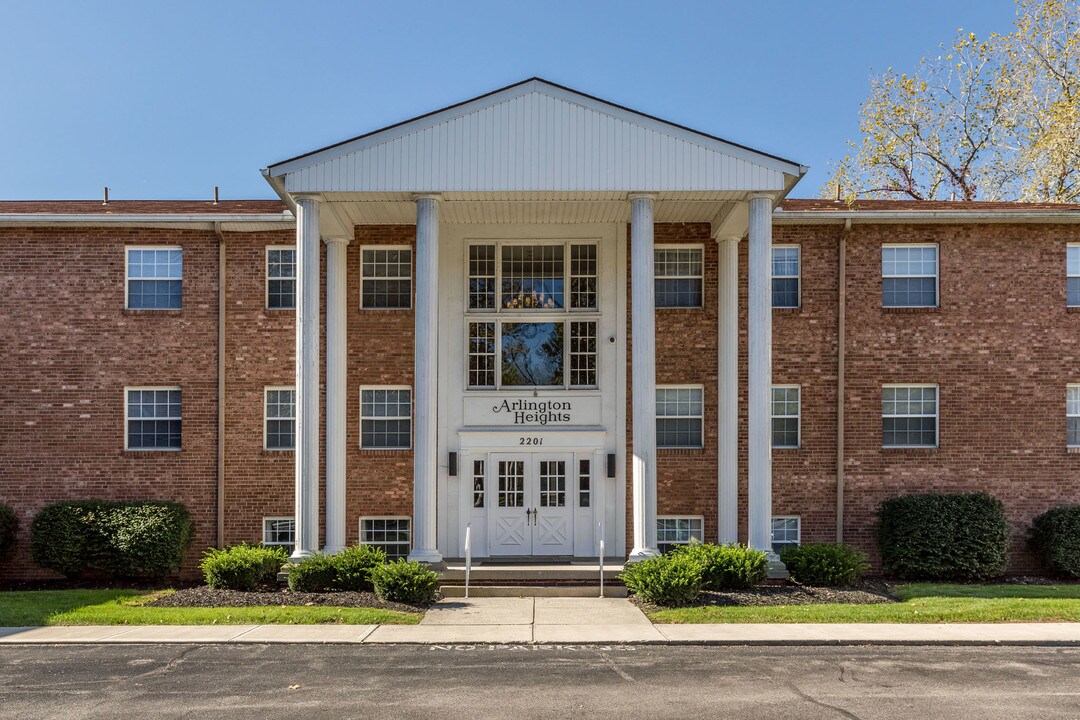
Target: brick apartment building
[(549, 319)]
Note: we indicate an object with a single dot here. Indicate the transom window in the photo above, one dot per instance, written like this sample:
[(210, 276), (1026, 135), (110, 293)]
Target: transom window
[(584, 483), (679, 413), (785, 532), (785, 416), (152, 418), (785, 276), (392, 534), (386, 278), (154, 278), (385, 418), (1073, 272), (279, 531), (533, 342), (909, 276), (909, 415), (678, 276), (280, 418), (1072, 416), (674, 531), (478, 483), (281, 278)]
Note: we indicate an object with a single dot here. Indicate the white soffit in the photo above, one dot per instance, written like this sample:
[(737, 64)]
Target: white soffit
[(535, 136)]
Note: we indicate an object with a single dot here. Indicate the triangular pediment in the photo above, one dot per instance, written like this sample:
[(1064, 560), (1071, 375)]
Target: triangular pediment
[(529, 137)]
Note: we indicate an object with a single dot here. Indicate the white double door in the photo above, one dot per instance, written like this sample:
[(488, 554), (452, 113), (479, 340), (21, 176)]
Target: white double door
[(532, 504)]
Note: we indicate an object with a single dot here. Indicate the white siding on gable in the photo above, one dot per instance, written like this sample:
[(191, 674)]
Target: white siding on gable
[(536, 137)]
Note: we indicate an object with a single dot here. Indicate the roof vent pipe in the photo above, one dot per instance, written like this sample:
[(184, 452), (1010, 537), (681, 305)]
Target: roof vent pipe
[(215, 194), (106, 201)]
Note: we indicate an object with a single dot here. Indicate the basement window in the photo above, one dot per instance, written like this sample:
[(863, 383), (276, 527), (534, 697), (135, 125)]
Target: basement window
[(279, 532), (786, 532), (392, 534), (672, 531)]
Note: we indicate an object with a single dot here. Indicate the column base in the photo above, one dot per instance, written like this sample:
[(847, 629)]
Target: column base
[(300, 555), (639, 554), (777, 570), (332, 549), (432, 558)]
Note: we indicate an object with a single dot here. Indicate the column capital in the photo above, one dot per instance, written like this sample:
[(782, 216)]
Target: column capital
[(728, 238), (641, 196), (344, 239), (427, 196), (314, 197), (771, 196)]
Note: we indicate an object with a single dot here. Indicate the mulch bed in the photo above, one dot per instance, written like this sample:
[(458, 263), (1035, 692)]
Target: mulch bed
[(868, 592), (204, 596)]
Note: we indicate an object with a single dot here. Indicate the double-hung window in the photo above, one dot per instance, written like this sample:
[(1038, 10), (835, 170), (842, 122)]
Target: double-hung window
[(909, 416), (392, 534), (281, 278), (1072, 416), (909, 276), (385, 418), (672, 531), (532, 315), (785, 276), (280, 418), (1072, 281), (154, 278), (678, 273), (386, 278), (679, 417), (785, 532), (785, 416), (279, 532), (152, 418)]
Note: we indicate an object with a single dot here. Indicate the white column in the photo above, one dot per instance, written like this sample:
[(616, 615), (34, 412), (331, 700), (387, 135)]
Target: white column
[(336, 391), (643, 372), (727, 376), (307, 376), (426, 385), (759, 380)]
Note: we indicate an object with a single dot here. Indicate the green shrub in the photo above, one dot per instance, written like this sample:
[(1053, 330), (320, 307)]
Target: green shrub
[(126, 539), (9, 525), (727, 567), (317, 573), (405, 582), (825, 564), (242, 567), (962, 536), (1055, 537), (673, 579)]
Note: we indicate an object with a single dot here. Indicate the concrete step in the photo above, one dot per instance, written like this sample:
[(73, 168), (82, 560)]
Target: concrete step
[(532, 573), (458, 591)]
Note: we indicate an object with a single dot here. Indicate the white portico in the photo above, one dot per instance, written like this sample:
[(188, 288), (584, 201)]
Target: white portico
[(534, 209)]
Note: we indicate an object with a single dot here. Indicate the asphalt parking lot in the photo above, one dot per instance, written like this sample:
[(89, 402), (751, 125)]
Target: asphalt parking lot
[(332, 681)]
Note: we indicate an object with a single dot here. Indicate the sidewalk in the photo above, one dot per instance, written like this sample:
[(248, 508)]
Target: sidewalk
[(558, 621)]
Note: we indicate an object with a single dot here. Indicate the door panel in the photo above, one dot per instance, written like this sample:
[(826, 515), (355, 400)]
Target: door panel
[(509, 528), (553, 521)]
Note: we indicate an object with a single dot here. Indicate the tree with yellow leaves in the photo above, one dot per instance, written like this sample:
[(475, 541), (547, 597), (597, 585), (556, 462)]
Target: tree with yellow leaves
[(993, 119)]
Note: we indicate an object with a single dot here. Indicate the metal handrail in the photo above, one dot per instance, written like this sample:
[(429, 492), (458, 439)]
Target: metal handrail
[(600, 526), (468, 557)]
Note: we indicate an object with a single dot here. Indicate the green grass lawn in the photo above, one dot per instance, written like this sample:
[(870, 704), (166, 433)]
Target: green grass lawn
[(922, 603), (127, 607)]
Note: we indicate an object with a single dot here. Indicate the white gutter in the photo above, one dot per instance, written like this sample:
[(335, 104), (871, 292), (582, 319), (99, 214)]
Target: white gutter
[(207, 219), (841, 217)]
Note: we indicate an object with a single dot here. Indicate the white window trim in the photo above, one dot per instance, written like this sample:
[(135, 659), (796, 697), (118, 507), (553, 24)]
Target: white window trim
[(266, 418), (127, 445), (798, 419), (410, 278), (700, 417), (360, 528), (937, 273), (682, 517), (798, 525), (127, 277), (266, 272), (272, 518), (684, 246), (1070, 386), (412, 422), (937, 416), (1068, 247), (797, 276)]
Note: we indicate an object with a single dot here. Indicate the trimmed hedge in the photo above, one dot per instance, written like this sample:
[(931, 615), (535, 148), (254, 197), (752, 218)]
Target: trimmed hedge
[(825, 564), (726, 567), (405, 582), (125, 539), (9, 525), (1055, 537), (672, 579), (349, 569), (937, 536), (242, 567)]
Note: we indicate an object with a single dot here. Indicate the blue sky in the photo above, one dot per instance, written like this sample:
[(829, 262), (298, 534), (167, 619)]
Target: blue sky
[(166, 100)]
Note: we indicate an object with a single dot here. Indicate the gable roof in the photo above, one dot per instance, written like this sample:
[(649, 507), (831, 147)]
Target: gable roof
[(534, 136)]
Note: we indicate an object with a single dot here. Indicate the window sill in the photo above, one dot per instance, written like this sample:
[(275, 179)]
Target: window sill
[(1073, 450), (387, 452), (910, 450), (150, 311), (787, 448), (388, 311), (680, 309), (675, 451), (910, 310), (283, 452), (1072, 309), (152, 453), (787, 310)]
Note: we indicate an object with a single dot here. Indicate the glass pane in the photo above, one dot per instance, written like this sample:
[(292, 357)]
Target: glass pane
[(154, 294), (583, 276), (583, 354), (532, 277), (481, 355), (1073, 292), (677, 292), (909, 292), (532, 354), (482, 277), (785, 292)]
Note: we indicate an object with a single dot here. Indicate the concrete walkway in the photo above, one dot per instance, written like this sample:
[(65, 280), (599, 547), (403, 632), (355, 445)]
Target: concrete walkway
[(558, 621)]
